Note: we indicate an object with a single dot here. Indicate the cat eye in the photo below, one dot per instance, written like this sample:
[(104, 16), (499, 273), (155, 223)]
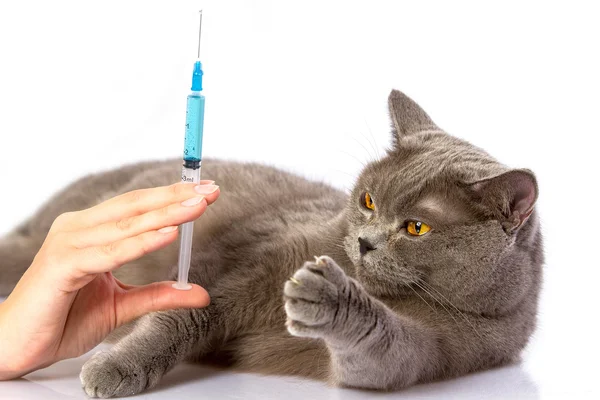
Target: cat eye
[(367, 201), (417, 228)]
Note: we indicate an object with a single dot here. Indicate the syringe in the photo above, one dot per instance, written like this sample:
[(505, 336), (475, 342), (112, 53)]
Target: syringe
[(192, 162)]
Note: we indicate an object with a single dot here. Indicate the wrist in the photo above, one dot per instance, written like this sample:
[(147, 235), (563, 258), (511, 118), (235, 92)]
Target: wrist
[(7, 369), (13, 362)]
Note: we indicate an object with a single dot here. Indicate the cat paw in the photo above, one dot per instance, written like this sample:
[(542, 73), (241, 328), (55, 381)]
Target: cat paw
[(312, 297), (108, 374)]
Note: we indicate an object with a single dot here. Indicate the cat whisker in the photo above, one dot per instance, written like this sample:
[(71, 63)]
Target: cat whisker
[(375, 147), (362, 164), (463, 316), (431, 287), (365, 148), (337, 247), (436, 300), (319, 358), (344, 172), (421, 297)]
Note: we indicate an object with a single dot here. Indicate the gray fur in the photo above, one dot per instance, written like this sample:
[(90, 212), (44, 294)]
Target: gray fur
[(459, 299)]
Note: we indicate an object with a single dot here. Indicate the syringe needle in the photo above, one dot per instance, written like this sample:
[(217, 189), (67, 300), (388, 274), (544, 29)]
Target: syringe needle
[(199, 33)]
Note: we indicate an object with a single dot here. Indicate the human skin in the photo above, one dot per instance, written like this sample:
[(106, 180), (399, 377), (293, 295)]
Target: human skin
[(68, 300)]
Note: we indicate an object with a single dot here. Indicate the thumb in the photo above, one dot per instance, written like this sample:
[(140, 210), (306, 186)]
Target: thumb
[(134, 301)]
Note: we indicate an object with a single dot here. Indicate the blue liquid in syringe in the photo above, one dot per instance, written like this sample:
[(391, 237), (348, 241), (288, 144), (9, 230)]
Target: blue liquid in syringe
[(194, 124)]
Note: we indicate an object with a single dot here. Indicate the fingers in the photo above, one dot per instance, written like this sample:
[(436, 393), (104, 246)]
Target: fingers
[(171, 215), (137, 202), (108, 257), (137, 301)]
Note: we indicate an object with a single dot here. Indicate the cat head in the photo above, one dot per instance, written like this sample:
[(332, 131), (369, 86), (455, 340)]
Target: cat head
[(439, 212)]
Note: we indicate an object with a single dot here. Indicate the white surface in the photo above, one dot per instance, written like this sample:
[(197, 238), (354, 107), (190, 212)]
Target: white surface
[(199, 382), (86, 86)]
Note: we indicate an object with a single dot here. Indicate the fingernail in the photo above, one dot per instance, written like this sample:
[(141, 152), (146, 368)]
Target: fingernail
[(194, 201), (206, 182), (167, 229), (205, 189)]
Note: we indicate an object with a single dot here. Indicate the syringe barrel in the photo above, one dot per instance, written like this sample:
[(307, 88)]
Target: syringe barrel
[(194, 127), (186, 232), (192, 163)]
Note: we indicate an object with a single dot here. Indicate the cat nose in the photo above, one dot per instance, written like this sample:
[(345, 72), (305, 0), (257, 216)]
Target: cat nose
[(365, 246)]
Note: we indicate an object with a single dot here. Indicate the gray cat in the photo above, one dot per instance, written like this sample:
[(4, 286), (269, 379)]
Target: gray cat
[(433, 268)]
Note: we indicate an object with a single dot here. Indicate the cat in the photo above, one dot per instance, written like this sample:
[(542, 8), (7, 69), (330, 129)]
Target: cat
[(429, 269)]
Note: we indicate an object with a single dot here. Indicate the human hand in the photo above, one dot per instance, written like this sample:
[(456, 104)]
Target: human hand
[(68, 301)]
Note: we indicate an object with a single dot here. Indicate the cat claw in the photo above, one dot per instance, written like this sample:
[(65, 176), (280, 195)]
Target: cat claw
[(296, 281), (311, 297)]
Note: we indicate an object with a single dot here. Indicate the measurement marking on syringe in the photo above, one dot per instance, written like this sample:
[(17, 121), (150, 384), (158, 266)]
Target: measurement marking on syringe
[(192, 160)]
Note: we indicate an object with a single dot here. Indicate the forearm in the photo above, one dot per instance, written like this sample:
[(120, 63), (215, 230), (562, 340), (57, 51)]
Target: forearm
[(388, 352), (370, 345), (68, 301), (21, 336), (9, 367)]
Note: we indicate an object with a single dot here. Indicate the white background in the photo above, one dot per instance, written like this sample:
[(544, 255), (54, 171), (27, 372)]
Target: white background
[(86, 86)]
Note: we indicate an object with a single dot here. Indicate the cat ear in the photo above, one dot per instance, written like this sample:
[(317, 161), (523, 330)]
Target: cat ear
[(407, 117), (511, 196)]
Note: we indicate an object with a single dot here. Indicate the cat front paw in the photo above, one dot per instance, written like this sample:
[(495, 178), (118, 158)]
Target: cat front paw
[(108, 374), (312, 298)]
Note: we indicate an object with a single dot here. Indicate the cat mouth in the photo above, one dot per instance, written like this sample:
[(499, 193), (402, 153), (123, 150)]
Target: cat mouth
[(367, 258)]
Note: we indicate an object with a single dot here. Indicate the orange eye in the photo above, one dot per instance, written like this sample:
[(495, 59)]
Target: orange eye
[(367, 201), (417, 228)]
